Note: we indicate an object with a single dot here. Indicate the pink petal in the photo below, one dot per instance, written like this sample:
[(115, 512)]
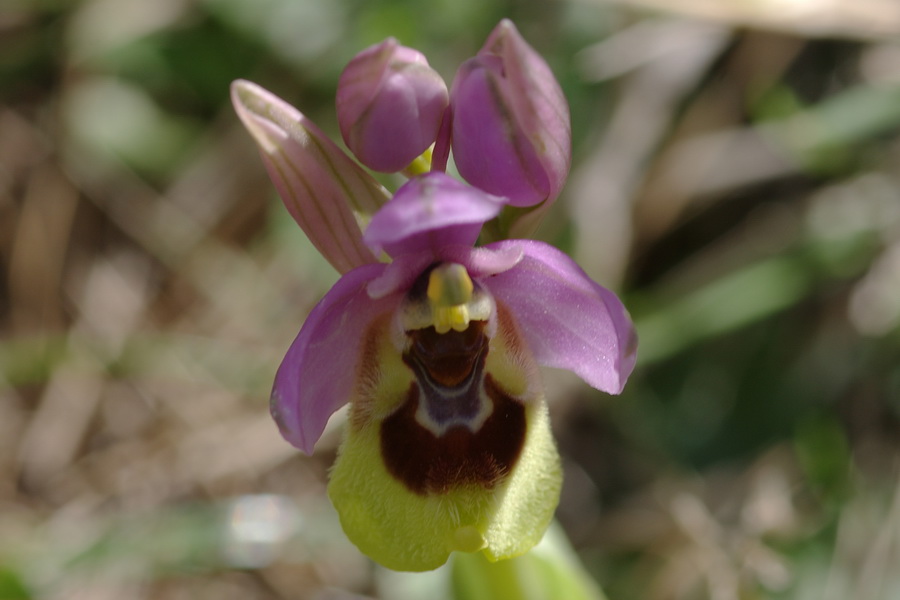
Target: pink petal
[(401, 273), (430, 212), (483, 261), (321, 186), (569, 321), (316, 376)]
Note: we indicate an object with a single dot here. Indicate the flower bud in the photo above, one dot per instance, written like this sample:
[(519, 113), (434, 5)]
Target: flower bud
[(511, 131), (389, 105)]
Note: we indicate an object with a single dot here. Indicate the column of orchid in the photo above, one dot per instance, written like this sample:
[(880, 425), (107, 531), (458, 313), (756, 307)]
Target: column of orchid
[(436, 345)]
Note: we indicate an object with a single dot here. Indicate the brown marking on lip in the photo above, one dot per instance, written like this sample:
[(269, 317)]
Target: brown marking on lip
[(430, 464), (448, 358)]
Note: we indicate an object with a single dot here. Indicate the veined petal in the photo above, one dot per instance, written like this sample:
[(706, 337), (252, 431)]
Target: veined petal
[(430, 212), (568, 320), (318, 373), (321, 186)]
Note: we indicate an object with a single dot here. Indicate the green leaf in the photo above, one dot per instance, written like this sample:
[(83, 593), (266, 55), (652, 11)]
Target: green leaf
[(11, 585)]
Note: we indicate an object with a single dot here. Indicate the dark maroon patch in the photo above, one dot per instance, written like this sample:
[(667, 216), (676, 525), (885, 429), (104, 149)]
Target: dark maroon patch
[(431, 464), (447, 359)]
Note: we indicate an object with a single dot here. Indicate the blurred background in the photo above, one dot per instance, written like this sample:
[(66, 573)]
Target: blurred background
[(736, 178)]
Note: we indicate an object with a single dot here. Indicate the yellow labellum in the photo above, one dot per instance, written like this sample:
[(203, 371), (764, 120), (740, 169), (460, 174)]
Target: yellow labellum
[(410, 531)]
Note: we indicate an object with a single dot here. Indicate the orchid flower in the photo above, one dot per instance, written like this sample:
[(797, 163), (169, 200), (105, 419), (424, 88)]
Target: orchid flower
[(436, 348)]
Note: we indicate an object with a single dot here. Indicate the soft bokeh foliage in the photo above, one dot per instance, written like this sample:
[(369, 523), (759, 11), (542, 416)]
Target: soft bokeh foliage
[(735, 178)]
